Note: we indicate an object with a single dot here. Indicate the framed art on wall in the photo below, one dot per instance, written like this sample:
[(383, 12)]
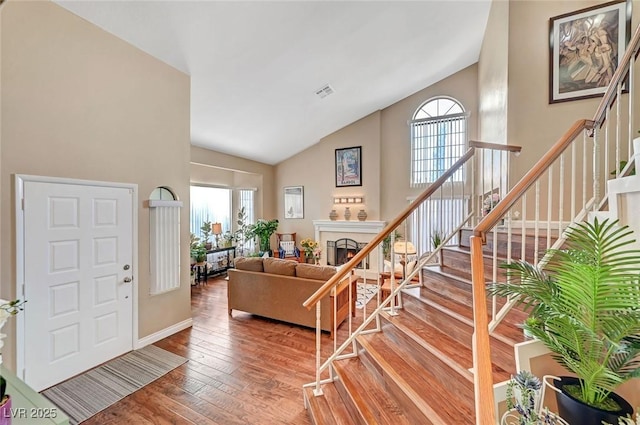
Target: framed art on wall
[(294, 202), (349, 166), (585, 48)]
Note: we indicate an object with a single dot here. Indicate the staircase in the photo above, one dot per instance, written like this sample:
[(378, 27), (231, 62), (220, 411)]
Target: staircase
[(433, 355), (417, 369)]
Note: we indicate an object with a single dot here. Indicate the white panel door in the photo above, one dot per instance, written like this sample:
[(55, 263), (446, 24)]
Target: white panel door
[(78, 269)]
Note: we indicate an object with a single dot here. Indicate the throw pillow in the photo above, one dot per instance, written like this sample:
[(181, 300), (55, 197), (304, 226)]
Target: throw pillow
[(252, 264), (310, 271), (410, 266), (278, 266), (397, 269)]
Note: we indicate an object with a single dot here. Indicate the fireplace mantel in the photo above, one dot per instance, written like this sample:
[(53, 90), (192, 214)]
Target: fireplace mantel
[(345, 226), (359, 231)]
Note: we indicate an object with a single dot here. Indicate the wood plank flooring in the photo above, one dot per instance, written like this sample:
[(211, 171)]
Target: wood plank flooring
[(241, 370)]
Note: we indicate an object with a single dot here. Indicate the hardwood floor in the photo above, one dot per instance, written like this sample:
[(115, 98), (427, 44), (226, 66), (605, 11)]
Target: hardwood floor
[(241, 370)]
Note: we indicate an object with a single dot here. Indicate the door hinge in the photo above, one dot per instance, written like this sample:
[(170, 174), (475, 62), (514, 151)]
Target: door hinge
[(22, 203)]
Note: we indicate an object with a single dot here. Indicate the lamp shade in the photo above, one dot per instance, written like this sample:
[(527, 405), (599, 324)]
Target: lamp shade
[(216, 228), (404, 247)]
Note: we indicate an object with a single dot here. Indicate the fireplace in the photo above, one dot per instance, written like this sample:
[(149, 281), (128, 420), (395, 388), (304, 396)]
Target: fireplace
[(342, 250)]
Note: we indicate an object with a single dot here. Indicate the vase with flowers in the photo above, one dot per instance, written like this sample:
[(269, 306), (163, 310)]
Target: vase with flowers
[(312, 250), (489, 203), (7, 309)]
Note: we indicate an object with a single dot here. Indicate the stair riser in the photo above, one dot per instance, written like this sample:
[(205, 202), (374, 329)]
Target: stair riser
[(460, 260), (349, 404), (436, 367), (502, 245), (451, 288), (409, 407)]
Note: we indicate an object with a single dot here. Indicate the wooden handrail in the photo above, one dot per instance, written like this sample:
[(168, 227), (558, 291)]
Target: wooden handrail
[(324, 289), (497, 213), (621, 72), (495, 146)]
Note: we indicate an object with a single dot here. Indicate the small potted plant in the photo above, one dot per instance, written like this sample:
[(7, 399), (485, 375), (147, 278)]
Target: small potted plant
[(227, 239), (263, 229), (584, 309), (524, 395), (205, 231)]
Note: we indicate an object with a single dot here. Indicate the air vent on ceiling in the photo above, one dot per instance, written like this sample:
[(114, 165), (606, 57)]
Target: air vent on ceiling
[(324, 91)]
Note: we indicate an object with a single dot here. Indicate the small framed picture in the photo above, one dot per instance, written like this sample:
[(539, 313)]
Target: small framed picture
[(294, 202), (349, 166), (585, 49)]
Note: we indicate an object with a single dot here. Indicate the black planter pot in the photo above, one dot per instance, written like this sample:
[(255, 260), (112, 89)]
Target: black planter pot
[(576, 412)]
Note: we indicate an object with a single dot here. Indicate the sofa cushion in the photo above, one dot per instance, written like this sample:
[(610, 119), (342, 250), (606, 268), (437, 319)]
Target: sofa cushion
[(252, 264), (311, 271), (278, 266)]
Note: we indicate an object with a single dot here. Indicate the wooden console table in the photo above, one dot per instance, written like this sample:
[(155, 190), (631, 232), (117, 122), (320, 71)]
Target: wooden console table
[(29, 407)]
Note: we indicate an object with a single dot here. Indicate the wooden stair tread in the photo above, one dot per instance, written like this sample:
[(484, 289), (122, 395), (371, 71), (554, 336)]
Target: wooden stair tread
[(508, 333), (502, 354), (368, 394), (457, 355), (411, 371), (320, 410)]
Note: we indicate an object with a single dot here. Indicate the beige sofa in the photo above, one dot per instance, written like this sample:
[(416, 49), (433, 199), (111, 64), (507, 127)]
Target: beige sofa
[(276, 289)]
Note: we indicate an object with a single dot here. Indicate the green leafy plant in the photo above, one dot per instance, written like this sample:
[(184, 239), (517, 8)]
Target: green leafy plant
[(386, 243), (436, 238), (584, 307), (194, 241), (199, 253), (242, 229), (263, 229), (205, 231)]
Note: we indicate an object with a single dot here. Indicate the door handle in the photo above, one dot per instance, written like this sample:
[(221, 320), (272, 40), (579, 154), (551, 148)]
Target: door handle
[(127, 279)]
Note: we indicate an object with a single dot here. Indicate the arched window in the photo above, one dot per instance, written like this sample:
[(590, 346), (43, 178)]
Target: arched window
[(438, 139)]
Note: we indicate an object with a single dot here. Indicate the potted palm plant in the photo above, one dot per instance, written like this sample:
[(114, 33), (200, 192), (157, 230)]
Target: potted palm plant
[(584, 307)]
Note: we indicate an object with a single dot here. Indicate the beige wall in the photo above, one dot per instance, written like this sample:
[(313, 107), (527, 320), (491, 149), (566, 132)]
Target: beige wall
[(493, 76), (384, 137), (314, 168), (395, 134), (533, 123), (215, 168), (79, 103)]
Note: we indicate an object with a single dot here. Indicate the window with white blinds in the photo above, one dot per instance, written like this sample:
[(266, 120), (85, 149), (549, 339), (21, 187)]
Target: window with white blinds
[(211, 204), (438, 139), (440, 216), (246, 199)]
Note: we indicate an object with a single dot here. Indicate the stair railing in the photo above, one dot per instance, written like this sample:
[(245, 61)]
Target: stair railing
[(562, 188), (446, 206)]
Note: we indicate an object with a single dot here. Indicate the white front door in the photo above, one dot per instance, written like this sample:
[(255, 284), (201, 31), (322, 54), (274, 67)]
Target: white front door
[(78, 247)]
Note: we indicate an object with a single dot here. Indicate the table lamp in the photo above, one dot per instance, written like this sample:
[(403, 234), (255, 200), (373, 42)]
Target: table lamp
[(404, 248), (216, 229)]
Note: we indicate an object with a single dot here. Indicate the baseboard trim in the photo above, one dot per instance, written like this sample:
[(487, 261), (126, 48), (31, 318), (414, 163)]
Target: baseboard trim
[(157, 336)]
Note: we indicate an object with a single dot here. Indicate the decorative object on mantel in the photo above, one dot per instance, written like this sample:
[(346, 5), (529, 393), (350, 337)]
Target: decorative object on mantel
[(362, 215), (348, 200), (333, 215), (347, 214), (7, 309)]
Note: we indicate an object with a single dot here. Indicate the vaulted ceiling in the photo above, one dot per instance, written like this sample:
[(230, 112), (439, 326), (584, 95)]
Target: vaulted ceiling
[(256, 66)]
